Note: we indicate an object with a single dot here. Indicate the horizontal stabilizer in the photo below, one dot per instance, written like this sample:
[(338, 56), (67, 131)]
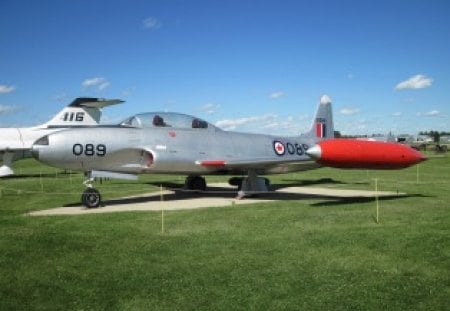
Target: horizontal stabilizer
[(94, 102)]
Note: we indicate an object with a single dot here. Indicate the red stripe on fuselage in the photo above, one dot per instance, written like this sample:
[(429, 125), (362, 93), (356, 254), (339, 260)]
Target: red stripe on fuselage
[(213, 163)]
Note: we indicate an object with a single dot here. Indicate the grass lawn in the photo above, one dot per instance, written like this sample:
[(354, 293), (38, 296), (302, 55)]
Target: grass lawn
[(308, 254)]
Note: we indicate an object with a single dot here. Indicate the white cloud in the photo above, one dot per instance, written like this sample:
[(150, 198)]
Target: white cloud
[(5, 89), (272, 125), (432, 113), (92, 82), (397, 114), (349, 111), (284, 127), (209, 108), (231, 124), (103, 86), (152, 23), (353, 127), (276, 95), (269, 124), (415, 82), (6, 109), (99, 83), (350, 76)]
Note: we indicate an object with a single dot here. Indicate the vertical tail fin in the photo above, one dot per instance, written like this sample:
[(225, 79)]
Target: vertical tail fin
[(81, 112), (322, 126)]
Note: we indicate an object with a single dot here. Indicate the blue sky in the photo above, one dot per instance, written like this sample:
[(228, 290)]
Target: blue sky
[(258, 66)]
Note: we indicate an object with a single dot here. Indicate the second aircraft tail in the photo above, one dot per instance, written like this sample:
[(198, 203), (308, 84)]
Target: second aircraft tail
[(82, 111)]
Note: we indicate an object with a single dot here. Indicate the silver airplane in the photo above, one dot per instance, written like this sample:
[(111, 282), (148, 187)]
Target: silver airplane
[(15, 143), (173, 143)]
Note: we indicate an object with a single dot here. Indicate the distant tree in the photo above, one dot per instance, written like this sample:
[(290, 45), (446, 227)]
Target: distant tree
[(436, 135), (337, 134)]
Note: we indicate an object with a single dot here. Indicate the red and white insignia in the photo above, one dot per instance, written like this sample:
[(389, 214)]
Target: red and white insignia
[(279, 148)]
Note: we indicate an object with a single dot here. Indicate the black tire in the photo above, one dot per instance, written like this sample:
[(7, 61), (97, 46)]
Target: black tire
[(91, 198), (196, 183), (267, 182), (199, 183), (236, 181)]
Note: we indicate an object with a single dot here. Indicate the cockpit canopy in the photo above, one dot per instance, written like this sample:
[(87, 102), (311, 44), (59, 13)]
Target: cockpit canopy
[(166, 119)]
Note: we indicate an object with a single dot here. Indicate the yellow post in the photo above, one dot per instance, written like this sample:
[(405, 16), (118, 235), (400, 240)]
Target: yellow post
[(162, 208), (376, 198), (40, 180), (417, 179)]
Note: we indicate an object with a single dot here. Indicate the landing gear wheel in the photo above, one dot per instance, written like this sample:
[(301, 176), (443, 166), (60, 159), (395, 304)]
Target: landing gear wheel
[(91, 198), (196, 183), (267, 182), (236, 181)]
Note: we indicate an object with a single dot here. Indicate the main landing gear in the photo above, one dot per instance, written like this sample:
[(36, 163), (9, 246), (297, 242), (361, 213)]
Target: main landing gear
[(195, 183), (91, 197), (253, 184), (250, 185)]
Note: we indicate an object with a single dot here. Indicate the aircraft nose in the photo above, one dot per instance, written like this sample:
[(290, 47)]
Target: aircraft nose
[(43, 141)]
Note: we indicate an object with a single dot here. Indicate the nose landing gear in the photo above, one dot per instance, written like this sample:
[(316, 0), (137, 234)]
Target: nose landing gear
[(91, 197)]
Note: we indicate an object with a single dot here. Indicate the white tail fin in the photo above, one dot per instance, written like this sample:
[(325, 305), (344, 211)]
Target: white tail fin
[(322, 126), (81, 112)]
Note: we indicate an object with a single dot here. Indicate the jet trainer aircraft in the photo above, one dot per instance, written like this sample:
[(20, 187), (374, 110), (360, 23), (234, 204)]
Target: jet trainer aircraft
[(176, 143), (15, 143)]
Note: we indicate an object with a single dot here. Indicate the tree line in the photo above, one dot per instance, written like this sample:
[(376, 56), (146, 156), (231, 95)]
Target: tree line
[(436, 135)]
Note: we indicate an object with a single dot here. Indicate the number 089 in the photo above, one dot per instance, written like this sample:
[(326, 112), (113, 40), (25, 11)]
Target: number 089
[(89, 150)]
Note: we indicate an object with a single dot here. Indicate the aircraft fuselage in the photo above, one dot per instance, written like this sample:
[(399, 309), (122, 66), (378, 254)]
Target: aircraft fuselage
[(173, 150)]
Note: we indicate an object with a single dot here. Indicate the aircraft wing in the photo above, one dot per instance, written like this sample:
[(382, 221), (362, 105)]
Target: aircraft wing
[(254, 163)]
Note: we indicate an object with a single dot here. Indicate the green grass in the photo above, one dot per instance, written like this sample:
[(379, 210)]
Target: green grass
[(308, 254)]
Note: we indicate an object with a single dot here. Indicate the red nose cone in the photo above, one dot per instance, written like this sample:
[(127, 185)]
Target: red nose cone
[(418, 157), (349, 153)]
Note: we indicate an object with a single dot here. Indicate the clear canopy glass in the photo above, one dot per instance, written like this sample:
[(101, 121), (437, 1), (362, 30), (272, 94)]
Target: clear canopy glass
[(165, 119)]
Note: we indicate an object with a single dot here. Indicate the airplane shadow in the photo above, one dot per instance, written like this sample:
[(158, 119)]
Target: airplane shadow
[(357, 200), (44, 175), (321, 181), (216, 192), (286, 183), (302, 183)]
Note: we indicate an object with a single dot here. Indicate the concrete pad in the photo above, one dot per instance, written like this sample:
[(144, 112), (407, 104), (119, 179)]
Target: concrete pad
[(338, 193), (220, 195)]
